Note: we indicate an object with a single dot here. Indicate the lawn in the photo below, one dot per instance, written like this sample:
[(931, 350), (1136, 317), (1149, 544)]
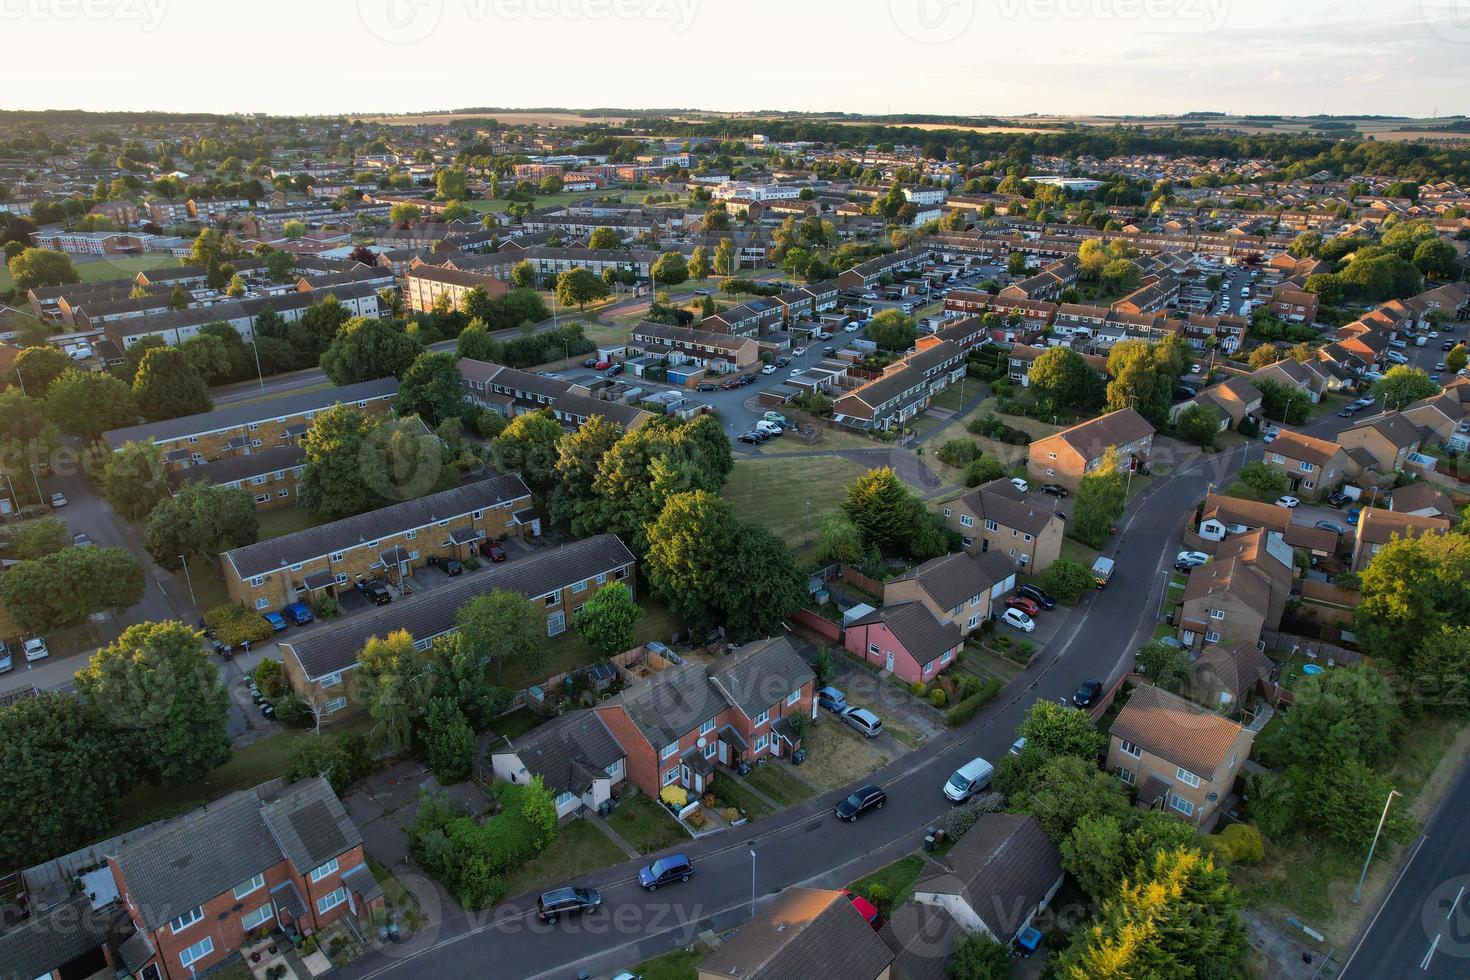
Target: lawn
[(790, 495), (117, 267), (285, 520), (1076, 551), (897, 878), (498, 204), (680, 964), (1005, 452), (209, 587), (833, 439), (579, 848), (514, 724), (784, 787), (837, 755), (732, 792), (897, 729), (568, 651), (646, 825)]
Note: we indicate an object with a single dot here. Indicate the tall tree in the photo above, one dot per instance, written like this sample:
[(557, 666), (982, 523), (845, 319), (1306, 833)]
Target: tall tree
[(1411, 590), (1403, 384), (168, 386), (724, 261), (882, 508), (62, 589), (394, 683), (1101, 498), (578, 456), (1144, 378), (38, 538), (36, 267), (688, 546), (88, 403), (699, 265), (367, 348), (528, 446), (607, 620), (36, 367), (670, 269), (209, 356), (458, 672), (1347, 713), (604, 239), (201, 520), (432, 389), (132, 479), (158, 689), (502, 625), (763, 584), (578, 287), (1060, 379)]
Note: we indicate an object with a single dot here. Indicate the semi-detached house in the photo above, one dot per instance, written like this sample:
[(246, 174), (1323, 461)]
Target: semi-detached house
[(1313, 467), (510, 392), (904, 390), (391, 541), (1067, 456), (996, 518)]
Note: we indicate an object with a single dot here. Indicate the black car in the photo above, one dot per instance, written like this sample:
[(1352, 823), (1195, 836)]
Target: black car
[(452, 567), (375, 590), (705, 386), (860, 802), (829, 350), (782, 361), (753, 437), (1338, 498), (665, 871), (591, 362), (748, 379), (1056, 490), (567, 901), (1037, 595), (613, 371), (1085, 695)]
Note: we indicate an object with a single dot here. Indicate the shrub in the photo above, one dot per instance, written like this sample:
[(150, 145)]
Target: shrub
[(880, 896), (938, 698), (971, 705), (1243, 843), (1025, 649), (958, 452), (917, 689), (963, 817), (328, 608), (267, 677), (234, 625), (675, 796), (1067, 581), (983, 470)]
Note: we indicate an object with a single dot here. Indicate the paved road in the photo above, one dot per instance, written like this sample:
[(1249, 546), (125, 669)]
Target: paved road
[(1422, 927)]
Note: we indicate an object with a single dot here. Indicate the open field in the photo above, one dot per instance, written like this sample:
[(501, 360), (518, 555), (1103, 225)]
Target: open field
[(109, 267), (511, 118), (498, 204), (790, 495)]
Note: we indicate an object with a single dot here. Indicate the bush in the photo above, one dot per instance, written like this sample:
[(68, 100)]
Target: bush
[(234, 625), (959, 820), (991, 425), (938, 698), (1067, 581), (267, 676), (345, 758), (327, 607), (1243, 844), (958, 452), (971, 705), (880, 896), (917, 689), (982, 470)]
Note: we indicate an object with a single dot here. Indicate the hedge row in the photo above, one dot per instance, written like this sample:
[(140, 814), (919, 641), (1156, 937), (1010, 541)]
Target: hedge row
[(971, 705)]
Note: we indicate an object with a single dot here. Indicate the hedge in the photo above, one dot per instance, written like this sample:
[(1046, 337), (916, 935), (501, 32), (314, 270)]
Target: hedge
[(971, 705)]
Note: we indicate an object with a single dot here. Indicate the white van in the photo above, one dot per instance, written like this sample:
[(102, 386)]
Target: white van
[(971, 778)]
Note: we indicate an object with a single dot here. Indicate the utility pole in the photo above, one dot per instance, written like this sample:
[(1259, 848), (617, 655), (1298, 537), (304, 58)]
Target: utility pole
[(1358, 891), (188, 580)]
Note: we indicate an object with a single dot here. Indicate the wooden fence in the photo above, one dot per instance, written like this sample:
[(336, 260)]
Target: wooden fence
[(852, 576)]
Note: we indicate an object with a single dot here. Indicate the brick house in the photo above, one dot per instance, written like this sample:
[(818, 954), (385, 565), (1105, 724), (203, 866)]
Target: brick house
[(254, 860), (903, 390), (1221, 515), (268, 475), (578, 759), (1377, 527), (1423, 499), (1181, 758), (1382, 443), (676, 725), (906, 639), (802, 932), (510, 392), (426, 285), (1313, 467), (1271, 554), (240, 429), (956, 588), (997, 518), (1293, 305), (718, 353), (1236, 400), (559, 580), (391, 541), (1226, 601), (1065, 457)]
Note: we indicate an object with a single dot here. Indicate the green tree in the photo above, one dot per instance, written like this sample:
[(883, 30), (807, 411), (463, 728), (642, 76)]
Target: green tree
[(979, 957), (1263, 480), (982, 470), (1093, 854), (458, 672), (1100, 500), (1340, 803), (688, 547), (88, 403), (838, 539), (1060, 379), (168, 386), (1283, 403), (280, 266), (404, 214), (578, 457), (1120, 276), (321, 322), (1053, 730), (699, 264), (1437, 259), (892, 330), (209, 357), (1066, 788), (670, 269), (604, 239), (449, 741), (1438, 666), (1067, 581), (38, 538), (763, 585), (1016, 263), (1457, 357), (201, 520), (502, 625), (528, 446), (724, 262), (37, 267), (132, 479), (578, 287), (451, 184), (1403, 384), (607, 620), (36, 368), (157, 688), (366, 349), (1345, 713), (1199, 424), (62, 589), (393, 681), (1144, 377), (432, 389), (333, 484), (881, 506), (523, 275), (1165, 664)]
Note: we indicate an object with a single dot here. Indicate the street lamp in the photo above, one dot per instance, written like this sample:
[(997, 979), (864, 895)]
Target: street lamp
[(1358, 891), (40, 497), (752, 883), (190, 581)]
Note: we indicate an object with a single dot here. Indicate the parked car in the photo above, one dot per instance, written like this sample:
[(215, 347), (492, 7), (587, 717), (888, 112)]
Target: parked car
[(1024, 604), (1271, 434), (798, 351), (1056, 490), (298, 613), (1353, 516), (768, 427), (452, 567), (1088, 693), (376, 592), (864, 721), (602, 365), (1287, 500), (853, 327), (870, 797), (776, 417), (971, 778), (832, 699), (769, 369), (1018, 746), (1440, 366), (1037, 595), (730, 384), (1447, 345), (1338, 498), (665, 871), (828, 351), (701, 292), (591, 362), (782, 361), (614, 371), (1330, 526), (5, 662), (1190, 559), (58, 499), (706, 386), (1020, 484), (864, 908), (748, 379), (35, 649), (753, 438), (567, 901), (81, 540), (1017, 619), (494, 552)]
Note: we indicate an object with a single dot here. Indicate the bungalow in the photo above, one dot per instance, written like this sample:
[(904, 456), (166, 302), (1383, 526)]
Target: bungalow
[(996, 518), (1377, 527), (1183, 759), (803, 932), (1313, 467), (576, 756), (996, 879), (955, 588), (677, 724), (1225, 601), (1065, 457)]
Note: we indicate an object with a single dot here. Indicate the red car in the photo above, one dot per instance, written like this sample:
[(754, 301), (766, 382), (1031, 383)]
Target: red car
[(602, 365), (1024, 604), (865, 908), (496, 552)]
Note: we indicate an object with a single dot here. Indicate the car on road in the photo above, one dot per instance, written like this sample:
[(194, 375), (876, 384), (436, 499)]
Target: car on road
[(870, 797), (1330, 526), (853, 327), (798, 351), (1271, 434), (58, 499), (1348, 411), (1020, 484), (494, 552), (1433, 335), (1018, 746), (665, 871), (971, 778), (567, 901), (1338, 498), (1190, 559), (748, 379), (277, 621), (782, 361), (5, 661), (591, 362), (1027, 606), (1353, 516), (706, 386), (452, 567), (1395, 357), (864, 721), (1037, 595), (769, 369), (864, 908), (602, 365), (701, 292), (828, 351), (81, 540), (1017, 619), (1447, 345), (1440, 366), (298, 613), (1088, 693), (35, 649), (832, 699), (377, 593), (1056, 490), (1287, 500)]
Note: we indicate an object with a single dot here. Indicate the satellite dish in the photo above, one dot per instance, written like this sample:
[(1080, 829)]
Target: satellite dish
[(701, 742)]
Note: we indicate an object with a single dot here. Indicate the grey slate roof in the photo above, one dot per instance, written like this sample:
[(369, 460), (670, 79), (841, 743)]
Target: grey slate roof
[(234, 468), (760, 674), (1003, 867), (47, 942), (671, 703), (568, 752), (956, 578), (206, 853), (236, 415), (314, 542), (922, 938), (922, 634), (431, 613), (804, 933)]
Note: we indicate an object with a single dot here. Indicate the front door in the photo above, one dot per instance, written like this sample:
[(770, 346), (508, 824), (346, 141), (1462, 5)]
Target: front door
[(890, 661), (724, 753)]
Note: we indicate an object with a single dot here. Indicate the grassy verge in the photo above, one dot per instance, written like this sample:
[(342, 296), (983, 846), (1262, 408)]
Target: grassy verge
[(897, 879), (579, 848), (1074, 550), (790, 496), (897, 729), (733, 793), (569, 651), (284, 520), (785, 788), (681, 964), (643, 823)]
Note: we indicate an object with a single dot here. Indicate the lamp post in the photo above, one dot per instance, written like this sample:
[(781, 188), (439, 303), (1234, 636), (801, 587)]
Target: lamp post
[(40, 497), (1358, 891), (190, 581), (752, 883)]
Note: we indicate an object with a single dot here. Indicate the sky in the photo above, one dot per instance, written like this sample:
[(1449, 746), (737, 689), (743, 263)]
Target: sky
[(960, 57)]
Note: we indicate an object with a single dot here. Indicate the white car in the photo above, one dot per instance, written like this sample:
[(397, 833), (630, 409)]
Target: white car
[(1433, 335), (1287, 500), (798, 351), (36, 649), (769, 369), (1020, 484), (1191, 558), (58, 499), (1271, 434), (852, 327), (1018, 619), (1395, 357)]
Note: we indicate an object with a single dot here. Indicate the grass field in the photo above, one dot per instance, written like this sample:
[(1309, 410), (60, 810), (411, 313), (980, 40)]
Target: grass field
[(680, 964), (284, 520), (773, 780), (567, 652), (116, 267), (646, 825), (578, 849), (897, 878), (790, 495)]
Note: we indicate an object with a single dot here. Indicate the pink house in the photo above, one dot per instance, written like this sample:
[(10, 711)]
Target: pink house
[(905, 639)]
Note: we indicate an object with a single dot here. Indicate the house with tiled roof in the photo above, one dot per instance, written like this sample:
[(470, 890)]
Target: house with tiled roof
[(1385, 441), (1442, 418), (1221, 515), (1236, 399), (1377, 527), (996, 879), (802, 933), (995, 517), (1225, 601), (1065, 457), (1181, 758), (1313, 467), (907, 640), (1225, 675), (510, 392), (1269, 553), (575, 754), (956, 588), (678, 724), (1422, 499)]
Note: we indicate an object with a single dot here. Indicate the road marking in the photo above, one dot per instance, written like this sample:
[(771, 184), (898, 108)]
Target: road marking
[(1424, 963), (1455, 904), (1367, 929)]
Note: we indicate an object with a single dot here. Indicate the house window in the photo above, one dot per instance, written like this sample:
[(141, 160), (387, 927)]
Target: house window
[(668, 750), (973, 622), (1182, 805), (337, 556), (246, 888), (260, 916), (186, 920), (262, 602), (709, 750), (1277, 458), (283, 493), (1127, 775), (793, 697), (257, 581), (1025, 559), (762, 718), (1308, 485), (601, 577), (1132, 749), (477, 515), (1186, 777), (966, 520), (991, 525), (1217, 614), (317, 874), (564, 799), (341, 578), (331, 900), (672, 776), (553, 599), (197, 952), (929, 668), (1308, 467), (411, 535), (1212, 637), (873, 649), (968, 542), (760, 742), (334, 705), (580, 586), (946, 512), (263, 498), (706, 727)]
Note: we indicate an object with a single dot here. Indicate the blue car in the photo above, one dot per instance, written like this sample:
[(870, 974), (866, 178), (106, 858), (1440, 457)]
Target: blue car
[(298, 613), (1352, 517), (277, 621), (832, 699)]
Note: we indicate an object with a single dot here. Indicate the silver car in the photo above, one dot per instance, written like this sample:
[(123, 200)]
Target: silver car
[(864, 721)]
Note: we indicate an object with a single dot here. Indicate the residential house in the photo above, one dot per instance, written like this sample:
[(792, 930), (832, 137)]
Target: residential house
[(510, 392), (427, 287), (71, 939), (575, 754), (391, 541), (1313, 467), (1293, 304), (995, 517), (1236, 399), (557, 580), (1422, 499), (802, 933), (1225, 675), (1269, 553), (1065, 457), (905, 388), (1442, 418), (1292, 374), (1377, 527), (676, 725), (1021, 356), (906, 639), (956, 588), (270, 476), (266, 858), (1225, 601), (995, 879), (1382, 443), (1181, 758), (718, 353), (1221, 515), (923, 939)]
